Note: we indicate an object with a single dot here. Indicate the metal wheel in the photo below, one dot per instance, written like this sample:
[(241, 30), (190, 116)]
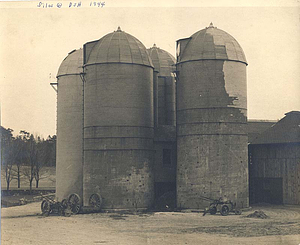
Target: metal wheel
[(75, 203), (45, 207), (95, 201), (238, 212), (62, 206), (213, 210), (224, 210), (64, 203)]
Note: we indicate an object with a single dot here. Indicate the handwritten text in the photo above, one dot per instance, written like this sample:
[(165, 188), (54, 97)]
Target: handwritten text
[(77, 4)]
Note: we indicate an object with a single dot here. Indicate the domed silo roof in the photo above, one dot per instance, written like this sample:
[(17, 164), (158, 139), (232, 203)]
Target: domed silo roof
[(72, 64), (162, 60), (212, 43), (116, 47)]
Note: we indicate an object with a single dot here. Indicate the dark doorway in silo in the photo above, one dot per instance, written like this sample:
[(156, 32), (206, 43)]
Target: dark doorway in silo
[(266, 190), (165, 196)]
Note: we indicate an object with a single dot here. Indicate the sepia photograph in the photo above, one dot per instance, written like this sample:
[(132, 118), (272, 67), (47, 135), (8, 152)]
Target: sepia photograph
[(150, 122)]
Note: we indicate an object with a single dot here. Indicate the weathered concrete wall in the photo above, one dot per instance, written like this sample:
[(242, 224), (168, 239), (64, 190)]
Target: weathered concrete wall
[(277, 161), (164, 173), (165, 138), (162, 112), (170, 100), (118, 135), (69, 136), (165, 166), (166, 101), (212, 155), (155, 97)]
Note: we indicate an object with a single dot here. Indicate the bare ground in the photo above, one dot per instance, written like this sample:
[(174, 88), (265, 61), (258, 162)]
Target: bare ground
[(25, 225)]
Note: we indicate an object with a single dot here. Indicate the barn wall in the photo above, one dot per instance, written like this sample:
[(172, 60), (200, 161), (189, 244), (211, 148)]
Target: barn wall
[(272, 161)]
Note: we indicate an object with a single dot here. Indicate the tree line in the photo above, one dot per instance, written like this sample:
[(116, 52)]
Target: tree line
[(25, 155)]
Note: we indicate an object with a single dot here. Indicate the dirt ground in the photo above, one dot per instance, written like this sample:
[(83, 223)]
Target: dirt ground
[(25, 225)]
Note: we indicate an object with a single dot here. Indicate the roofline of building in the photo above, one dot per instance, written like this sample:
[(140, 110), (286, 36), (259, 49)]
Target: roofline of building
[(262, 120), (212, 59), (292, 112), (181, 39), (277, 143), (68, 74), (117, 62)]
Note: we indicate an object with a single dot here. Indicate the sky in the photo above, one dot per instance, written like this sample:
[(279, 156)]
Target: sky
[(34, 40)]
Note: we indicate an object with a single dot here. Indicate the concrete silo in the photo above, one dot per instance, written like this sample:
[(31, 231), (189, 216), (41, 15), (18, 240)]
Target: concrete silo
[(164, 63), (118, 122), (211, 119), (69, 126), (165, 131)]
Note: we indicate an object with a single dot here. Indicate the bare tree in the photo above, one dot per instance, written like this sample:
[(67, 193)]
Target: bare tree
[(41, 159), (25, 156), (8, 163), (46, 157), (21, 140), (31, 159), (51, 150), (9, 152)]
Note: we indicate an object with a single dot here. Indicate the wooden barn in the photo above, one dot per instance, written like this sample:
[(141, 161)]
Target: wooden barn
[(274, 163)]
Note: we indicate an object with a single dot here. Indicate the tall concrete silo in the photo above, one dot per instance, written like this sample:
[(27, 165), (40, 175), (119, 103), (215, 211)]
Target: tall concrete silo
[(165, 131), (69, 126), (118, 122), (164, 63), (211, 119)]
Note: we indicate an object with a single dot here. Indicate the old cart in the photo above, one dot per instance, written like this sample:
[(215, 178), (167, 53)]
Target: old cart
[(223, 206), (50, 206), (69, 206)]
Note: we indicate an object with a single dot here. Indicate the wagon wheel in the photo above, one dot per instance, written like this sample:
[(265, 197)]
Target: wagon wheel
[(64, 203), (74, 202), (95, 201), (224, 210), (66, 208), (62, 207), (45, 207), (238, 212), (213, 210)]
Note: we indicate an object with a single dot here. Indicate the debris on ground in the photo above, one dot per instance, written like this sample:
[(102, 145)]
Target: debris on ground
[(23, 201), (258, 214)]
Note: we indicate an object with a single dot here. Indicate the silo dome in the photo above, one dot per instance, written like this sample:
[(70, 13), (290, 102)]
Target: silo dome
[(72, 64), (211, 43), (162, 60), (118, 122), (69, 126), (117, 47)]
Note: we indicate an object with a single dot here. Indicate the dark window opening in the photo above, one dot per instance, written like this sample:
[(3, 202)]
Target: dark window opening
[(167, 157)]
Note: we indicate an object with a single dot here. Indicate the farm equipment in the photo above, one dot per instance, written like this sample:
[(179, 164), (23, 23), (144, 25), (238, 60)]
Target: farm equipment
[(69, 206), (95, 202), (223, 206), (50, 206)]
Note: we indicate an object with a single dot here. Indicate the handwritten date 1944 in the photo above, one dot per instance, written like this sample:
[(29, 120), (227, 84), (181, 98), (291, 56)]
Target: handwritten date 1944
[(69, 4)]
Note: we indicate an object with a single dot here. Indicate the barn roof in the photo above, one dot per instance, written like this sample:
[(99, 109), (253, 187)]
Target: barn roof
[(286, 130), (256, 127)]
